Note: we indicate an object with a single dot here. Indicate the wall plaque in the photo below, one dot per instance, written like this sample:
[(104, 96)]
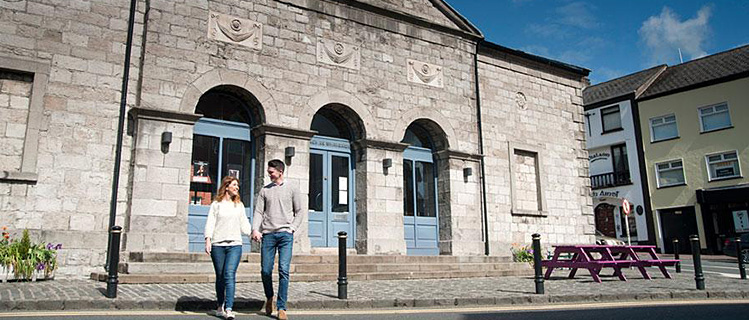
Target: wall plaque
[(235, 30), (338, 54), (424, 73)]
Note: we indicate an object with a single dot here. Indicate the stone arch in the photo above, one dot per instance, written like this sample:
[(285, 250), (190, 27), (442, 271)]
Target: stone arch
[(267, 110), (333, 97), (432, 120)]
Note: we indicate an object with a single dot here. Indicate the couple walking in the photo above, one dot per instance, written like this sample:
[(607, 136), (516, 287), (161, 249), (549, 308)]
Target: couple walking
[(278, 214)]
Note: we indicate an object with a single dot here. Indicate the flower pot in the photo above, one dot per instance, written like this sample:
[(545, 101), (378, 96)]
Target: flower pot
[(7, 274)]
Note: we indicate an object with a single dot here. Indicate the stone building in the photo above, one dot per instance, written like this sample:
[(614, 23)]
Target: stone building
[(374, 106)]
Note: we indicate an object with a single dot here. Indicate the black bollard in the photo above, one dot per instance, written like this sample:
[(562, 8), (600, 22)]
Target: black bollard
[(699, 278), (676, 255), (114, 260), (539, 278), (740, 254), (342, 281)]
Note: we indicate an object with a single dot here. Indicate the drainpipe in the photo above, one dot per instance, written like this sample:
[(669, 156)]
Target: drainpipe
[(120, 127), (482, 174)]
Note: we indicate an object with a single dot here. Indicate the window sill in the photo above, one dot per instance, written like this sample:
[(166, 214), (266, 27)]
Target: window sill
[(16, 176), (529, 213), (667, 139), (612, 130), (719, 129), (724, 179), (672, 185)]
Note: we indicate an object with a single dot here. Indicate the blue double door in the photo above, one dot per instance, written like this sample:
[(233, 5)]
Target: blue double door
[(220, 148), (420, 211), (331, 192)]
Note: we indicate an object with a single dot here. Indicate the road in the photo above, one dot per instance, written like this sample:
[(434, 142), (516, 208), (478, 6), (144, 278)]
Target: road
[(726, 268), (696, 310)]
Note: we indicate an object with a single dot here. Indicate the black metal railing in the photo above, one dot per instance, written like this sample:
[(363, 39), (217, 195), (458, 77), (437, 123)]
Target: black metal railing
[(611, 179)]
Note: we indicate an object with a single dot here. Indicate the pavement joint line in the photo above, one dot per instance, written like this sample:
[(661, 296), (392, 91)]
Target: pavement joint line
[(583, 306)]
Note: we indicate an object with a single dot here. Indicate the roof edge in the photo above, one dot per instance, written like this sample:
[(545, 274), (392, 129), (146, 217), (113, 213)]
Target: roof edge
[(456, 17), (545, 61), (644, 87)]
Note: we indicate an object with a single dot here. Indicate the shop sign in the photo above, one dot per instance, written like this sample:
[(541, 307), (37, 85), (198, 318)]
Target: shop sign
[(741, 221)]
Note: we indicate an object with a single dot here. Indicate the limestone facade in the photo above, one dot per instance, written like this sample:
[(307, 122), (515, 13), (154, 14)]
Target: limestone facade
[(385, 66)]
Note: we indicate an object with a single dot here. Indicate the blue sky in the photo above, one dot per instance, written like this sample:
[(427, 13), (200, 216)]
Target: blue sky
[(611, 38)]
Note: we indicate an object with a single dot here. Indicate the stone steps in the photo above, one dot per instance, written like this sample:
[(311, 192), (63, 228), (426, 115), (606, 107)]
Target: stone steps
[(197, 268)]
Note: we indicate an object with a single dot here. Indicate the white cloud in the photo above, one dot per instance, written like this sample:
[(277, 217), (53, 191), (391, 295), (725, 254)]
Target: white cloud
[(665, 34), (577, 14)]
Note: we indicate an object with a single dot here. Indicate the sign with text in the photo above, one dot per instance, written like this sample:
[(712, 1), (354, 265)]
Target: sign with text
[(741, 221)]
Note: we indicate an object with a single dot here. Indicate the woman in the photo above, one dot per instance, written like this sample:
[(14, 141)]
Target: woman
[(223, 241)]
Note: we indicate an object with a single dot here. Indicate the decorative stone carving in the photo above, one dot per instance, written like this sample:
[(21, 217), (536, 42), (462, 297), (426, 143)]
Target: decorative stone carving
[(338, 54), (239, 31), (424, 73), (521, 100)]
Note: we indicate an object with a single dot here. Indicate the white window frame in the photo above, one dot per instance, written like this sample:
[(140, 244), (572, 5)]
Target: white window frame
[(722, 154), (727, 111), (669, 162), (663, 117)]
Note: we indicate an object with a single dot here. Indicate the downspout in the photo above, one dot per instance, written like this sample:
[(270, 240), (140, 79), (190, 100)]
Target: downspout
[(120, 128), (482, 174)]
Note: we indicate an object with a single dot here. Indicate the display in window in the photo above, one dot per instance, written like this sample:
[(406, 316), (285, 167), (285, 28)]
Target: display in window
[(200, 172)]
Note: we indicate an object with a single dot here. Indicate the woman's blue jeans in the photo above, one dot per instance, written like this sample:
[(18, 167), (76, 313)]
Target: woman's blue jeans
[(283, 242), (225, 262)]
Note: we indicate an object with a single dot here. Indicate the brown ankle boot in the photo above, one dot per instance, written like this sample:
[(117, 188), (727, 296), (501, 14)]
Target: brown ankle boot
[(269, 306), (282, 315)]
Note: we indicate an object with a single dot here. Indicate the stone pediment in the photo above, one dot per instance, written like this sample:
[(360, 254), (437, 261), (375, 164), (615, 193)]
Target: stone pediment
[(433, 11)]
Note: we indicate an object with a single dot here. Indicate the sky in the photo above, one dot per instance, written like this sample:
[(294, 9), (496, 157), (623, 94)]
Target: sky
[(612, 38)]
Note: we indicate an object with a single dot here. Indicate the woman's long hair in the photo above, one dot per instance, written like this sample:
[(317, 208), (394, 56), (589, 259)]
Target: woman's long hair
[(222, 190)]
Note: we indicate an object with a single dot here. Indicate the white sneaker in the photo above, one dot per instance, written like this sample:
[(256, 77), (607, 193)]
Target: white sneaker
[(229, 315), (220, 311)]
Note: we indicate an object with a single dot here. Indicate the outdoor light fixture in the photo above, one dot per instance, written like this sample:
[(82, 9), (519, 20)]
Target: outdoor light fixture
[(166, 137), (467, 172), (289, 152), (387, 163)]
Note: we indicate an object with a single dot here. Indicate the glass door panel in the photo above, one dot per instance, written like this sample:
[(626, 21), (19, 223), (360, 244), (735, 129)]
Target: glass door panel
[(317, 200), (340, 193)]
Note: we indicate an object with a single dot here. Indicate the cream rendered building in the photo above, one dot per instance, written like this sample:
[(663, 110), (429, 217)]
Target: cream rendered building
[(695, 134)]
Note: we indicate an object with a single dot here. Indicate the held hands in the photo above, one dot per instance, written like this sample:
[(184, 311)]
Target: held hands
[(257, 236), (208, 245)]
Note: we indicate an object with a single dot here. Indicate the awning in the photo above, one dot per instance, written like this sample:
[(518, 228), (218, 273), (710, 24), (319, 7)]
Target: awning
[(729, 194)]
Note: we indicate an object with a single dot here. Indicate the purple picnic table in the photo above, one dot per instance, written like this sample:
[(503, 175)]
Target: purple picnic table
[(617, 257)]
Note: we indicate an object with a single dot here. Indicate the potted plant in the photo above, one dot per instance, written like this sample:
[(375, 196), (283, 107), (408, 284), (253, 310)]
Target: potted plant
[(23, 260)]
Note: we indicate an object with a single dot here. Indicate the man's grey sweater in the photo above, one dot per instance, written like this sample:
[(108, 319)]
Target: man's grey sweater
[(278, 208)]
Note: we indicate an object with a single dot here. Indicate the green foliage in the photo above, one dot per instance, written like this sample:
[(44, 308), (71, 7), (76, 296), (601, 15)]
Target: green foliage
[(524, 253), (25, 257)]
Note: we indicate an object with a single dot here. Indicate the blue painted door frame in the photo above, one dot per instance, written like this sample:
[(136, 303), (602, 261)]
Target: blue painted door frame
[(331, 201), (421, 230), (198, 213)]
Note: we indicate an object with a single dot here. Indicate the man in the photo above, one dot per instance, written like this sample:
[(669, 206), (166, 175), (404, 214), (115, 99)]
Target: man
[(278, 214)]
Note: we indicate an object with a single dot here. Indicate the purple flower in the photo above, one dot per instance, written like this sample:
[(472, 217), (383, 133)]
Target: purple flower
[(40, 266), (58, 246), (49, 245)]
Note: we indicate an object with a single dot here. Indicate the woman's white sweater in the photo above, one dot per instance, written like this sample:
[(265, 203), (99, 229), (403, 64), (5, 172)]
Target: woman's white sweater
[(227, 222)]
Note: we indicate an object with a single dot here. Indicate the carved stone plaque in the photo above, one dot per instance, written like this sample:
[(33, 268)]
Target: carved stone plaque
[(338, 54), (424, 73), (239, 31)]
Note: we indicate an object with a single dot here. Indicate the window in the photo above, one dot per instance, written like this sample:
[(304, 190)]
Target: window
[(723, 165), (663, 128), (620, 164), (715, 117), (670, 173), (610, 119)]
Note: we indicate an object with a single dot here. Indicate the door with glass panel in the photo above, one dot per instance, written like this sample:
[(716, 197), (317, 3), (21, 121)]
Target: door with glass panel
[(220, 148), (420, 202), (330, 197)]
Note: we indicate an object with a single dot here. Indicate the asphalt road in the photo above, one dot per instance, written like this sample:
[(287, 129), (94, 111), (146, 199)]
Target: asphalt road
[(632, 310), (724, 268)]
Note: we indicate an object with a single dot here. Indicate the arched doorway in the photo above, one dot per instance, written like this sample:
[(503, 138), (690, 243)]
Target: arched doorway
[(420, 192), (331, 175), (222, 145)]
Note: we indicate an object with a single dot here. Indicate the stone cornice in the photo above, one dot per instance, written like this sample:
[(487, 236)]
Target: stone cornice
[(164, 115), (267, 129), (455, 154), (383, 145)]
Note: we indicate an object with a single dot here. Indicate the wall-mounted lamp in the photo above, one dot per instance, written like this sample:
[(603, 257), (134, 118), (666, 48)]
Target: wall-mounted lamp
[(166, 137), (387, 163), (289, 152), (467, 172)]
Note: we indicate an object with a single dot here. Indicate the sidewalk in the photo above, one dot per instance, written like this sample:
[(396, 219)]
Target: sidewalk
[(503, 291)]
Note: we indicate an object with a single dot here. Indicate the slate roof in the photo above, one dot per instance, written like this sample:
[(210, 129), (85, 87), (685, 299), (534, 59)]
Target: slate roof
[(703, 71), (620, 86)]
